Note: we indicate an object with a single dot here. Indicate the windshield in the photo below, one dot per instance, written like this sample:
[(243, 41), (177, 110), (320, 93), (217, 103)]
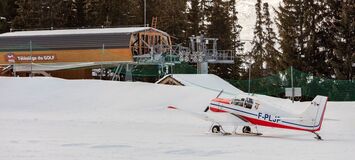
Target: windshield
[(247, 103)]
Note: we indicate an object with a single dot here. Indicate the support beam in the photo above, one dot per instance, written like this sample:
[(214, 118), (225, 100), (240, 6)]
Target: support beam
[(128, 76)]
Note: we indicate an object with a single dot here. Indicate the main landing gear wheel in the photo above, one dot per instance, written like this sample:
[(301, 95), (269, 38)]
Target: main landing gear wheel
[(246, 129), (216, 129)]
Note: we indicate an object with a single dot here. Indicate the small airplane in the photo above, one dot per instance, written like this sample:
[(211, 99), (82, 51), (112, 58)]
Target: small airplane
[(250, 111)]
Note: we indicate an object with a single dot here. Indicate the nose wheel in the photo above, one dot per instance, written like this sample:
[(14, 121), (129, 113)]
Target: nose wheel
[(246, 129)]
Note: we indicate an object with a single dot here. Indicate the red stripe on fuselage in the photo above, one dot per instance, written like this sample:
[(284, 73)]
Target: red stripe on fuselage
[(216, 110), (276, 125), (222, 100)]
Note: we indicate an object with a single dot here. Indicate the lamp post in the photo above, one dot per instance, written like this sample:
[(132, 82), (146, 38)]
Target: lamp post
[(249, 77), (102, 61), (249, 69), (145, 13), (31, 75), (293, 89)]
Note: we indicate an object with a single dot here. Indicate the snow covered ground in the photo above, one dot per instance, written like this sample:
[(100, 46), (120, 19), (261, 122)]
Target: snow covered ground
[(48, 118), (208, 81)]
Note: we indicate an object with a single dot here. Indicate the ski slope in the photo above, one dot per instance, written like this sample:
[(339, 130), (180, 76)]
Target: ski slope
[(49, 118)]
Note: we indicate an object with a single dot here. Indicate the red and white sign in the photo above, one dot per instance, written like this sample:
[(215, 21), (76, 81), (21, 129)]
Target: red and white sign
[(12, 58)]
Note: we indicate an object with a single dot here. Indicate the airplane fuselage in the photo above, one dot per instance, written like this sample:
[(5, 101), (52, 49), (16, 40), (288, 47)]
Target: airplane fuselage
[(256, 113)]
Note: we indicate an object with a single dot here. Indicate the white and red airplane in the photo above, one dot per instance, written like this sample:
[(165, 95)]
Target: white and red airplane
[(249, 111)]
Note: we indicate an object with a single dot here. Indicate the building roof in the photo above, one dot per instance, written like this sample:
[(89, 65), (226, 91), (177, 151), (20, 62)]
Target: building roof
[(207, 81), (127, 30), (69, 39), (64, 42)]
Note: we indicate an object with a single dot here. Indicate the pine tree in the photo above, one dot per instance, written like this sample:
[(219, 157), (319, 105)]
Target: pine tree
[(177, 24), (103, 13), (302, 36), (45, 14), (238, 45), (119, 12), (28, 14), (63, 14), (257, 54), (194, 18), (339, 31), (204, 5), (136, 14), (92, 13), (272, 55), (290, 24), (171, 16), (314, 57), (220, 26), (80, 20), (3, 19)]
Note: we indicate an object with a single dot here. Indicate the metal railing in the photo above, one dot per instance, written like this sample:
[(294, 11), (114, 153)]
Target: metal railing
[(220, 56), (158, 54)]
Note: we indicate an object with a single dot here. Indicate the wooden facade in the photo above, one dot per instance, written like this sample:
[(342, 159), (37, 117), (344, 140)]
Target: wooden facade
[(169, 80), (83, 46)]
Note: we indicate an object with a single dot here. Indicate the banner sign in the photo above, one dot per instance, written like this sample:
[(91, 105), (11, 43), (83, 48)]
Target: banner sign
[(12, 58), (297, 92)]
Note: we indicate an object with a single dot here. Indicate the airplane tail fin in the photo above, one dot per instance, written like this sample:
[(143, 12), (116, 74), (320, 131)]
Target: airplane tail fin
[(315, 111)]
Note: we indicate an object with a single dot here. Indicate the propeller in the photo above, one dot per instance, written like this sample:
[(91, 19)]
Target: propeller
[(219, 93), (207, 109)]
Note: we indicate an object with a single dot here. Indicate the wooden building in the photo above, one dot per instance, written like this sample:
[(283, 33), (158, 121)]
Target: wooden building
[(170, 80), (74, 52)]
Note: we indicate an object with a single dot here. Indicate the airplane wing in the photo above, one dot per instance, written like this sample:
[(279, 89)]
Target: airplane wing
[(225, 119), (194, 114)]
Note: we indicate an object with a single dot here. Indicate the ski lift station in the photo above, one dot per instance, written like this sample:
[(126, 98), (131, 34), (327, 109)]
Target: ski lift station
[(76, 53), (55, 50)]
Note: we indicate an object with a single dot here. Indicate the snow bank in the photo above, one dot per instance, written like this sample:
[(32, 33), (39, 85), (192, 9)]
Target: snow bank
[(48, 118), (206, 81)]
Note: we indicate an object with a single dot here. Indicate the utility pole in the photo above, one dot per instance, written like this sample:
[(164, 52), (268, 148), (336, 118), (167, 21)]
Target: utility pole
[(249, 77), (249, 82), (14, 68), (145, 13), (31, 75), (102, 53), (293, 89)]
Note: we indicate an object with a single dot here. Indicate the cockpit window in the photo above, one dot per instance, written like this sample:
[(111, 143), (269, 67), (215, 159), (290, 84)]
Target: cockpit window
[(237, 102), (249, 103)]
